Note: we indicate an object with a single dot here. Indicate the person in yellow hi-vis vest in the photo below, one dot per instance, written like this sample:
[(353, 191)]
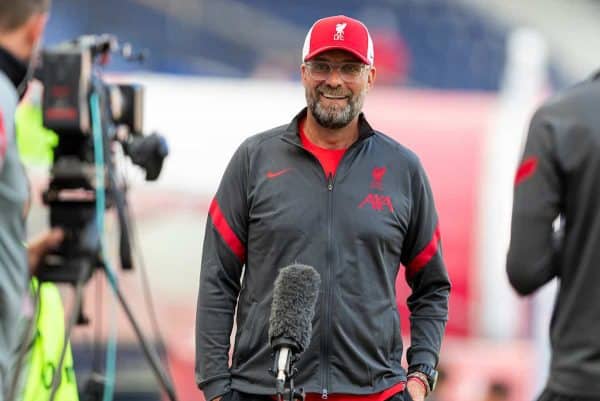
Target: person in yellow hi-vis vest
[(46, 346), (34, 141), (45, 339)]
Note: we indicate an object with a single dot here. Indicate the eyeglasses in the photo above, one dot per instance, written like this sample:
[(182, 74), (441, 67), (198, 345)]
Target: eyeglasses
[(321, 70)]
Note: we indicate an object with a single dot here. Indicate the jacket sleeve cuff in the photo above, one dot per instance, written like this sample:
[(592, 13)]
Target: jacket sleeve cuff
[(216, 387), (424, 357)]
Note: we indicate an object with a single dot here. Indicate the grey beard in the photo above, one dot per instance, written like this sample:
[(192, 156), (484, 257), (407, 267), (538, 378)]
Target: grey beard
[(334, 118)]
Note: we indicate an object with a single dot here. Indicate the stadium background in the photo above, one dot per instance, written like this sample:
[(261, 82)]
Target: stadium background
[(457, 82)]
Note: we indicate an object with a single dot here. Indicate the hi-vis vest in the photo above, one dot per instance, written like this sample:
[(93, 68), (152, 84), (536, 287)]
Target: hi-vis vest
[(47, 344), (35, 142)]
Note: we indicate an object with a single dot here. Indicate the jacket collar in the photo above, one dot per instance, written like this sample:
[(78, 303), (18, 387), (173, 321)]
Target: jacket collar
[(291, 132), (14, 69)]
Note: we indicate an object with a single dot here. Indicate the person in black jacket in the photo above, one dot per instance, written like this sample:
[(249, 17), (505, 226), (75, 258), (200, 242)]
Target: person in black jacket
[(329, 191), (556, 234)]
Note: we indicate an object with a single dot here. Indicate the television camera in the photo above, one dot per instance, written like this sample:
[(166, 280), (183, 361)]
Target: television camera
[(93, 119), (71, 76)]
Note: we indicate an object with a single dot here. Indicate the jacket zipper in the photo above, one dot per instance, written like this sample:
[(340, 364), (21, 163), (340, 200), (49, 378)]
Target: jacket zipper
[(329, 292), (325, 306)]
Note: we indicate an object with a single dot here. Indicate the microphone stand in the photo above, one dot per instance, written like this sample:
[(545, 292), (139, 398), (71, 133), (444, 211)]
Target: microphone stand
[(284, 371)]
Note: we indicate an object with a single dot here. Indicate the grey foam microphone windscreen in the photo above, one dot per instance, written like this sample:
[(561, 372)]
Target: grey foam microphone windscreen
[(294, 297)]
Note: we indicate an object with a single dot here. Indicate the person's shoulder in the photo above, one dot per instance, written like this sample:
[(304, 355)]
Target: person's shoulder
[(576, 105), (8, 95), (265, 137), (581, 93), (398, 151)]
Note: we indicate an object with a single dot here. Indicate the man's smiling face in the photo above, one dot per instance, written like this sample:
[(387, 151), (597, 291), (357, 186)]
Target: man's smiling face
[(336, 84)]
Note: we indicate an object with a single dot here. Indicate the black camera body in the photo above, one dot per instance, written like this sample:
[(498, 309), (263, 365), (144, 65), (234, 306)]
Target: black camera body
[(71, 77)]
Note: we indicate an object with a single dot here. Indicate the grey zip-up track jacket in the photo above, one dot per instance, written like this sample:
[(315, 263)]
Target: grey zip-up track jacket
[(275, 207), (560, 176), (14, 193)]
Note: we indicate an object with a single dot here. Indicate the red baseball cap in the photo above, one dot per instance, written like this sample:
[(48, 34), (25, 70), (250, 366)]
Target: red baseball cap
[(339, 32)]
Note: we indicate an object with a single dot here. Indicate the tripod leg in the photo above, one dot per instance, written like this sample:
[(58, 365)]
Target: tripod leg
[(56, 377), (148, 351)]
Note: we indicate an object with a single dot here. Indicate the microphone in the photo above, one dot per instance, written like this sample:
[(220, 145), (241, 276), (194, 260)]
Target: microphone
[(290, 323)]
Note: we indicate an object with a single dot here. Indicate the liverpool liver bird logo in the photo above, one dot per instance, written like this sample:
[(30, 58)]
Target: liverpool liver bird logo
[(377, 174), (339, 31)]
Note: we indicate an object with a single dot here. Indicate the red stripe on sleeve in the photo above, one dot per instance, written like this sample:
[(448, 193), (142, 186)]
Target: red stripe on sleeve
[(225, 231), (526, 169), (424, 256)]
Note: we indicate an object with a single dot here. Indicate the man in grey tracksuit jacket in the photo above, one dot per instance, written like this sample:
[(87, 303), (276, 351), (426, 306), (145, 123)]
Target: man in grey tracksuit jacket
[(559, 175), (275, 206), (13, 195)]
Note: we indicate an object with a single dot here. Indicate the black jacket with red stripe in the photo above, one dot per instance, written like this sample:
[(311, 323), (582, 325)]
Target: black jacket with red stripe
[(275, 207), (560, 176)]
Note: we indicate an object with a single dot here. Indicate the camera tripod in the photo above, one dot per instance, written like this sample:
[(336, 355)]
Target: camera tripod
[(86, 268)]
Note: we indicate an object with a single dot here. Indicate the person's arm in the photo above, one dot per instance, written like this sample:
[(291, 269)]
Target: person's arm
[(223, 257), (3, 139), (426, 275), (39, 246), (531, 260)]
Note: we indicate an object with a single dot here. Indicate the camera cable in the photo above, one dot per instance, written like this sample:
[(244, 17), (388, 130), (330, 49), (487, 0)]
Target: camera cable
[(162, 377), (111, 346)]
